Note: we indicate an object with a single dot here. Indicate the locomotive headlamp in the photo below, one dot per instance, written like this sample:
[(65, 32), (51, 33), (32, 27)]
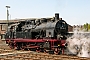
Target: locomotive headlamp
[(46, 42), (37, 48), (58, 45)]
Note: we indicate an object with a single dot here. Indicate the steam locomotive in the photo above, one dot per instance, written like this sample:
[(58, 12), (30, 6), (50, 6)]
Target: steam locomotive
[(44, 35)]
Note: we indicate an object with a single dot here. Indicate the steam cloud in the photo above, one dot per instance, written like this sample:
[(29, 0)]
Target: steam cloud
[(79, 44)]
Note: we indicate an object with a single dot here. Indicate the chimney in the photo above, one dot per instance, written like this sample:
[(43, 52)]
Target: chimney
[(56, 16)]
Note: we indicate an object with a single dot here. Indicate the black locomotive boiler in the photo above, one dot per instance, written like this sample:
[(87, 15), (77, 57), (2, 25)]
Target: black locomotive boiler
[(45, 34)]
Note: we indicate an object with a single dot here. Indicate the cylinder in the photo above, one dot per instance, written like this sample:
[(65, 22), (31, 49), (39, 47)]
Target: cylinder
[(56, 16)]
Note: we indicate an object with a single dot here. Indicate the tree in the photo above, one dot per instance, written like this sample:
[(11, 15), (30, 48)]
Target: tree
[(87, 26)]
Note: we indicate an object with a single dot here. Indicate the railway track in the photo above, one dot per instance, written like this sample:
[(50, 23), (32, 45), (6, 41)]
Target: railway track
[(7, 54), (30, 55)]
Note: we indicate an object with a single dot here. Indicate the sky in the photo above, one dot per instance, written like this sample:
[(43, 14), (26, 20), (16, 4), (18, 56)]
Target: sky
[(74, 12)]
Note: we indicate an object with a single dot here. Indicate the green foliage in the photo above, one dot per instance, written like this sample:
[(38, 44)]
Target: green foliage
[(84, 26), (87, 26)]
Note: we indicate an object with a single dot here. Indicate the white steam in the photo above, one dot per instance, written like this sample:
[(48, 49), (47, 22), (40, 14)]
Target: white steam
[(79, 44)]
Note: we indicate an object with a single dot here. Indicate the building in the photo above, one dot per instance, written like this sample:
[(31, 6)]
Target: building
[(70, 28), (3, 27)]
